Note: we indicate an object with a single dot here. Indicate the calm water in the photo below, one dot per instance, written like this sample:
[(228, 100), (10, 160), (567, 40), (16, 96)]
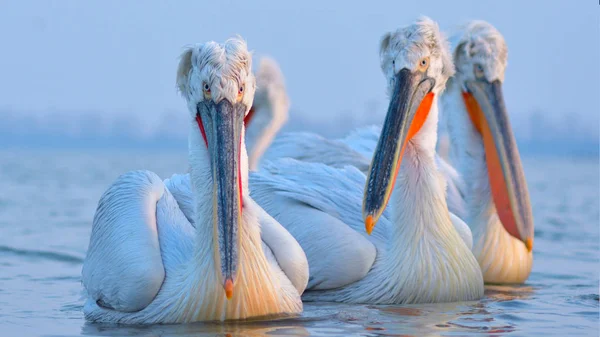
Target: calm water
[(47, 201)]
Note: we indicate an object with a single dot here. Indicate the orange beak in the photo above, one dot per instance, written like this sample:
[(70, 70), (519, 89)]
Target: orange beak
[(228, 288), (485, 104), (409, 107)]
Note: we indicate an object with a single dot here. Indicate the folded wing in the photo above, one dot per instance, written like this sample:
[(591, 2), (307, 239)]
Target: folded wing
[(123, 269), (321, 207)]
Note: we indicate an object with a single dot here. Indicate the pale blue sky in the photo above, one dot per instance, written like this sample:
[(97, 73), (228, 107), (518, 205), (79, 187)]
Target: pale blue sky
[(119, 57)]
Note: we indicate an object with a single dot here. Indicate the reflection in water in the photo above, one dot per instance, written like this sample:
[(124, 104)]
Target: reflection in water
[(441, 318), (436, 319), (334, 319), (500, 293), (250, 329)]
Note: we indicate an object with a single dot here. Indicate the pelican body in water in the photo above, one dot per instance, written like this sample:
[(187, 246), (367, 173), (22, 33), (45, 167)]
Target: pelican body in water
[(269, 111), (484, 151), (146, 263), (415, 255)]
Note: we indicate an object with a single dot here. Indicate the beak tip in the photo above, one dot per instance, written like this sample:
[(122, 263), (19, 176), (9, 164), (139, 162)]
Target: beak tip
[(369, 224), (529, 244), (228, 288)]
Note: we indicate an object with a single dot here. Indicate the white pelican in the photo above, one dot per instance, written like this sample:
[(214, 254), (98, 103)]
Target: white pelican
[(485, 153), (269, 111), (415, 256), (146, 263)]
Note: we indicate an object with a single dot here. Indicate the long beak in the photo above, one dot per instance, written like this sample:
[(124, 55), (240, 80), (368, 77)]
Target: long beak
[(485, 104), (224, 128), (408, 110)]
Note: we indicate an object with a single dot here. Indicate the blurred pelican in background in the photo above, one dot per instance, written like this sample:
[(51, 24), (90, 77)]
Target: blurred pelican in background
[(147, 263), (269, 111), (419, 253), (485, 153)]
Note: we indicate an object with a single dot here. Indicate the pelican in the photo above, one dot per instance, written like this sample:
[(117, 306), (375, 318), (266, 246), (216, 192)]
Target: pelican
[(147, 263), (416, 254), (268, 113), (485, 153)]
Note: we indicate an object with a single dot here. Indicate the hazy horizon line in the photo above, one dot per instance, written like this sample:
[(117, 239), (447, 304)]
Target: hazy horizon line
[(533, 132)]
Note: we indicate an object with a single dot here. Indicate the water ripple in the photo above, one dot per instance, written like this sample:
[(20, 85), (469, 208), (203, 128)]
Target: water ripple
[(54, 256)]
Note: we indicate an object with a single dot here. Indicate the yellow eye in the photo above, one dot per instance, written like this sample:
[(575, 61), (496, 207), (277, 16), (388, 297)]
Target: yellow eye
[(206, 90), (423, 64), (241, 92), (478, 70)]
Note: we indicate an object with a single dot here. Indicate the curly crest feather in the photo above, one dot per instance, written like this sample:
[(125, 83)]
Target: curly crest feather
[(480, 42), (411, 43), (225, 67)]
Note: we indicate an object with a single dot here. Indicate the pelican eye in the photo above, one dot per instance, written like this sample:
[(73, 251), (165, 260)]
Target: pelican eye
[(240, 92), (206, 90), (423, 64), (478, 70)]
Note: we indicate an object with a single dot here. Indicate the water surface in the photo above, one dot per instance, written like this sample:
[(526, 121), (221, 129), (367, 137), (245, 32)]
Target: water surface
[(48, 198)]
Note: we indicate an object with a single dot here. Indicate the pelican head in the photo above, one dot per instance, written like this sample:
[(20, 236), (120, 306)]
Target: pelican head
[(480, 57), (416, 61), (218, 85)]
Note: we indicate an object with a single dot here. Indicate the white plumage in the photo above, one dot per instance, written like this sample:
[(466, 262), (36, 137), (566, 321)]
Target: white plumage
[(152, 260)]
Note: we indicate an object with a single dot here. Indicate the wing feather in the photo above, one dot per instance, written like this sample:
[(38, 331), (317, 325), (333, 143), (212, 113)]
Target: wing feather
[(180, 187), (454, 187), (310, 147), (123, 269), (286, 251), (463, 230), (321, 207)]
